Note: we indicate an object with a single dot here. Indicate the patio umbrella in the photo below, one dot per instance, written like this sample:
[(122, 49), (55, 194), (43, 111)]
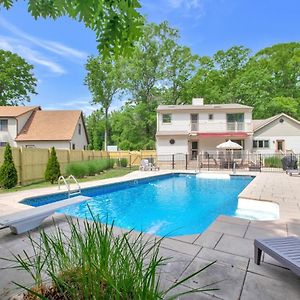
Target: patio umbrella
[(229, 145)]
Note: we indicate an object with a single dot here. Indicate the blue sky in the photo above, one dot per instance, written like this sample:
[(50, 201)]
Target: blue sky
[(59, 49)]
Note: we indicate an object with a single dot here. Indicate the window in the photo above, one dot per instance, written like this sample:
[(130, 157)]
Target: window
[(3, 144), (210, 117), (266, 144), (166, 118), (3, 125), (79, 129), (261, 144), (235, 117), (73, 146)]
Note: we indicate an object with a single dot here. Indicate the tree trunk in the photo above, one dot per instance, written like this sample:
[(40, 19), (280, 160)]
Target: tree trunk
[(106, 129)]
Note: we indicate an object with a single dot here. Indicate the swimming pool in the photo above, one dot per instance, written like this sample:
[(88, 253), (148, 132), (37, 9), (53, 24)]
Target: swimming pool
[(168, 205)]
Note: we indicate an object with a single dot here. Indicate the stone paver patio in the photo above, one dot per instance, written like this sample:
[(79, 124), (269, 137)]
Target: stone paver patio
[(229, 241)]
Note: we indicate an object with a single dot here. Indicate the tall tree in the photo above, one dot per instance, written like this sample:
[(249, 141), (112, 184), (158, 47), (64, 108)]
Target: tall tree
[(104, 79), (180, 67), (17, 81), (116, 23), (95, 124)]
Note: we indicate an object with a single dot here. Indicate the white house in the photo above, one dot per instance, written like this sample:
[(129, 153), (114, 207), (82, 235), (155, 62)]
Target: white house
[(30, 126), (196, 128)]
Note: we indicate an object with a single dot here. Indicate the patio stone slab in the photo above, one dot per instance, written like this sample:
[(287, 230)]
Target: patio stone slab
[(208, 239), (293, 229), (263, 288), (186, 238), (268, 232), (229, 280), (229, 228), (181, 247), (272, 271), (236, 245), (233, 220), (222, 257)]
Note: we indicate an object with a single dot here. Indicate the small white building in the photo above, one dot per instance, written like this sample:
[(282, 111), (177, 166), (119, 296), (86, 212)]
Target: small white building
[(29, 126), (197, 128)]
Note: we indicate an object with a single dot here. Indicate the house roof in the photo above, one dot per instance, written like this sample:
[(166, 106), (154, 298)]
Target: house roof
[(258, 124), (15, 111), (202, 107), (50, 125)]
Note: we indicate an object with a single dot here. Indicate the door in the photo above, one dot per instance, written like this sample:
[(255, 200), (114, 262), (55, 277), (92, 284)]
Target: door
[(194, 150), (280, 145)]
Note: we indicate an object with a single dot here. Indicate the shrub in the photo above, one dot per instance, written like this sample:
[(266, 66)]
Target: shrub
[(89, 168), (91, 262), (8, 172), (273, 162), (52, 172), (123, 162), (77, 169)]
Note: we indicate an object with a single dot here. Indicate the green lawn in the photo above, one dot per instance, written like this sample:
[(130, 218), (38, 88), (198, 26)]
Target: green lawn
[(107, 174)]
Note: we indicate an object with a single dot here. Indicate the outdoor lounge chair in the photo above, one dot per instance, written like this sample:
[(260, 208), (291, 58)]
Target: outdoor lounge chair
[(31, 218), (293, 171), (148, 166), (286, 250)]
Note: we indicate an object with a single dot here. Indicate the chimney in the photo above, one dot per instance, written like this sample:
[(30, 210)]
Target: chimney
[(198, 101)]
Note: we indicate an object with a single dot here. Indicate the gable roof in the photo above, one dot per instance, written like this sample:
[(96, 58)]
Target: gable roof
[(203, 107), (16, 111), (50, 125), (258, 124)]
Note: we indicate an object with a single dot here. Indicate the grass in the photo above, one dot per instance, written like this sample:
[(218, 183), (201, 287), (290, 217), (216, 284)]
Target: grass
[(91, 262), (273, 162), (111, 173)]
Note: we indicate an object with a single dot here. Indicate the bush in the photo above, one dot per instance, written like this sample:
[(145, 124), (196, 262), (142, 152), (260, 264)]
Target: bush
[(93, 263), (8, 172), (89, 168), (273, 162), (123, 162), (52, 172)]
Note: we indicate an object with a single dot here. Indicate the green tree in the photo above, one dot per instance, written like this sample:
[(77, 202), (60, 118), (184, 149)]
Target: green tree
[(95, 129), (8, 172), (104, 80), (52, 172), (180, 67), (287, 105), (17, 81), (116, 23)]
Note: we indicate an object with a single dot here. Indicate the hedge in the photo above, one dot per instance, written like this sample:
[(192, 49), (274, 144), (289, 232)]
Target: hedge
[(89, 168)]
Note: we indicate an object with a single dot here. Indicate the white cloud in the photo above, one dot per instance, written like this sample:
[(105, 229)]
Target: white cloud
[(52, 46), (187, 4), (33, 56)]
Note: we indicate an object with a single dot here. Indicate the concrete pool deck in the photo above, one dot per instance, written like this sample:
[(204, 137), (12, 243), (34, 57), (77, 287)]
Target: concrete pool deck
[(228, 240)]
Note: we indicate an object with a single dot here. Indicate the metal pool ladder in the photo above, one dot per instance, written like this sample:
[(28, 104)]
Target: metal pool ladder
[(66, 182)]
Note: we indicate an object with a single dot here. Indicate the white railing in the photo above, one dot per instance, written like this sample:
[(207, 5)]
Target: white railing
[(235, 126)]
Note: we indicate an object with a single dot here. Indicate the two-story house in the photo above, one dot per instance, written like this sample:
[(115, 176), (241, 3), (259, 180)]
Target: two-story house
[(196, 128), (30, 126)]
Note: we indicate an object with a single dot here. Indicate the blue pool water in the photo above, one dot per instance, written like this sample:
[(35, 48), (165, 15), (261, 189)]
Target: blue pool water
[(166, 206)]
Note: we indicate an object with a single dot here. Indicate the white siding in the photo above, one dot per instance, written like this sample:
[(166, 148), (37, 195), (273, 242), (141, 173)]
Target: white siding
[(289, 131), (22, 120), (45, 144), (11, 133), (80, 140), (181, 121), (164, 147)]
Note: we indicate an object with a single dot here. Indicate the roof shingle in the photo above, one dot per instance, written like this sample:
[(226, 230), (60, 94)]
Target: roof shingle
[(15, 111), (50, 125)]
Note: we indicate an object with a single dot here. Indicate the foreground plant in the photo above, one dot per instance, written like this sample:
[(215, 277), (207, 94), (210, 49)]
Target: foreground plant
[(91, 262)]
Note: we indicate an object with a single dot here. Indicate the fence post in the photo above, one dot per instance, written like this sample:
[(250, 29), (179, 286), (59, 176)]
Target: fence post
[(173, 161), (130, 161), (260, 162), (186, 161), (208, 163), (21, 166)]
